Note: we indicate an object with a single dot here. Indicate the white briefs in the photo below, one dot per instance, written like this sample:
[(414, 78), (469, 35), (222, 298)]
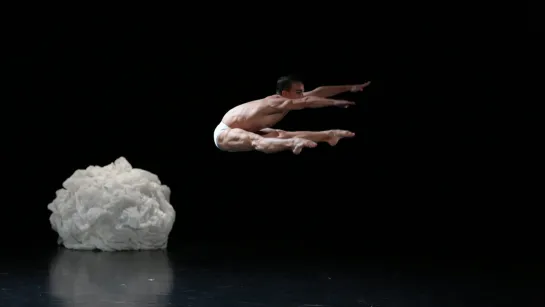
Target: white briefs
[(219, 129)]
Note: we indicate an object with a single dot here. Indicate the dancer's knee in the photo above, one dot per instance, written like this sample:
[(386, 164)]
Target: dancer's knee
[(262, 144)]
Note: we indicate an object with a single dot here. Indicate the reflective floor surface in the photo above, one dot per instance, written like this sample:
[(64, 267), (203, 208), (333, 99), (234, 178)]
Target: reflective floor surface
[(237, 276)]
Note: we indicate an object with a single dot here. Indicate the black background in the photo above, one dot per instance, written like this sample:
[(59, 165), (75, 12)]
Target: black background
[(427, 176)]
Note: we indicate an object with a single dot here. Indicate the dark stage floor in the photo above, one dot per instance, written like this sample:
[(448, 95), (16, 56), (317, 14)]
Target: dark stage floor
[(240, 275)]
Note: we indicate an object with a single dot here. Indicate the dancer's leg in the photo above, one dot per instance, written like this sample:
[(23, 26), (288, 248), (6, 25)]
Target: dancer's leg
[(330, 136), (241, 140)]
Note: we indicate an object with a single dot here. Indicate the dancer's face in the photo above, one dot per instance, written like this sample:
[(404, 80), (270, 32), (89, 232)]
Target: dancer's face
[(296, 91)]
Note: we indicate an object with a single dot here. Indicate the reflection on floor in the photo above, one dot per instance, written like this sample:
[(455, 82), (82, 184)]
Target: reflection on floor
[(242, 277)]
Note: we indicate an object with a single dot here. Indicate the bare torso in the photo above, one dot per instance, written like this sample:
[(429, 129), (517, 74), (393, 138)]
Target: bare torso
[(254, 115)]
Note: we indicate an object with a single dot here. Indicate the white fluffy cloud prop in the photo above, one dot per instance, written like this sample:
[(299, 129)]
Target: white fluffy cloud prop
[(111, 208)]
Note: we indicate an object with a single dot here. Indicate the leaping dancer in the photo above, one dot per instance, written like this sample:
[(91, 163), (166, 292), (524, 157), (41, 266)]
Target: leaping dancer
[(247, 127)]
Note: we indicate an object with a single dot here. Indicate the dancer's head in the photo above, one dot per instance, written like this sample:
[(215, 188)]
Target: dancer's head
[(290, 87)]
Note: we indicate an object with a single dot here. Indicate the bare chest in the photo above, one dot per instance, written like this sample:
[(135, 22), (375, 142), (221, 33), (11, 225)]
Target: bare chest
[(272, 119)]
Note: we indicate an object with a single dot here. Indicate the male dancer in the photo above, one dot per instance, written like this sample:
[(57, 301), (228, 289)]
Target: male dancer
[(247, 127)]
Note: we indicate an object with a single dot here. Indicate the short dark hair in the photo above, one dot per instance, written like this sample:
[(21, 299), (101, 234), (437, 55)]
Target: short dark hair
[(284, 83)]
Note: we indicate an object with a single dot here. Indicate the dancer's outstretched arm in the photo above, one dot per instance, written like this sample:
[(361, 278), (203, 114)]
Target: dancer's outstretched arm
[(286, 104), (332, 90)]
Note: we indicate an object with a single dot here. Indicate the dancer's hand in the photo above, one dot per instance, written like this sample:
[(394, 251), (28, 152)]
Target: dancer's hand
[(343, 103), (360, 87)]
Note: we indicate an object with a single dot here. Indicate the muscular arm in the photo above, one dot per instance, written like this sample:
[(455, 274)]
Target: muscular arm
[(306, 102), (329, 91)]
